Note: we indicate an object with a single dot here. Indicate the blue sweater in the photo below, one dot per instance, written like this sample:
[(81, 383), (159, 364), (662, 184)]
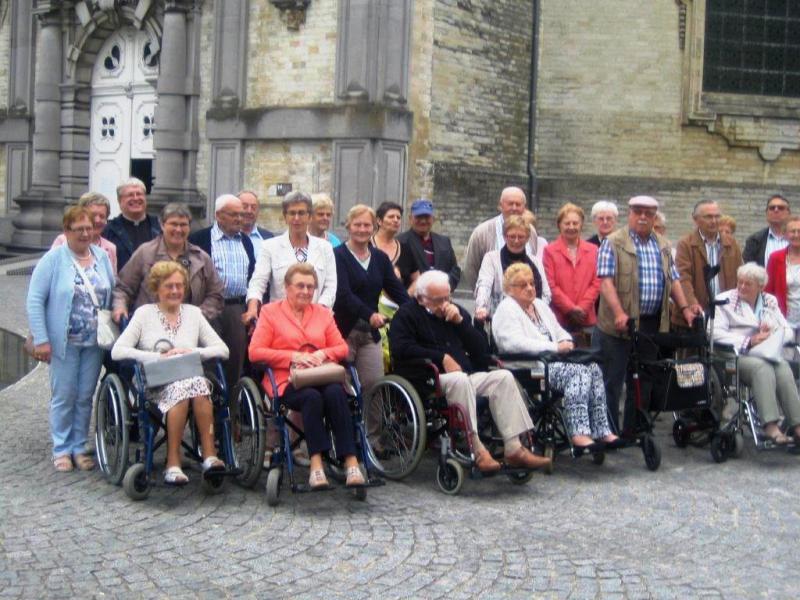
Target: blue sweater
[(50, 294), (357, 290)]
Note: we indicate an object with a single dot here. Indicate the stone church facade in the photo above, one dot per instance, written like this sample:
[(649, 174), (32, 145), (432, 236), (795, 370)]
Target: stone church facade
[(374, 100)]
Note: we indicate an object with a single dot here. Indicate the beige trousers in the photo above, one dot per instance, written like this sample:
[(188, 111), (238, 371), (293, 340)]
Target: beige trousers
[(505, 402)]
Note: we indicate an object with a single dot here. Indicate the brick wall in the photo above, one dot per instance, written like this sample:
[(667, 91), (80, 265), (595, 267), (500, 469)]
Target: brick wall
[(609, 120)]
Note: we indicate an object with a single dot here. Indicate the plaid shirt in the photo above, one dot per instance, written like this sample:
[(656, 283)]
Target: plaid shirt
[(651, 279), (230, 260)]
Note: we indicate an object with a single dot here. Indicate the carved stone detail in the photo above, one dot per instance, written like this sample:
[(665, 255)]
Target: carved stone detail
[(295, 11)]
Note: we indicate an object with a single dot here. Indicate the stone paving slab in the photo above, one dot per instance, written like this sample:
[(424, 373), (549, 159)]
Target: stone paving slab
[(693, 529)]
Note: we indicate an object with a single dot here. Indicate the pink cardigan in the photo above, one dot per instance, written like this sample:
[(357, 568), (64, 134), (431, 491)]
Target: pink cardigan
[(279, 335), (572, 285)]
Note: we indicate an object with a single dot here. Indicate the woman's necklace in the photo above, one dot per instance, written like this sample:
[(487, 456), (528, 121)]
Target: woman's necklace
[(82, 258)]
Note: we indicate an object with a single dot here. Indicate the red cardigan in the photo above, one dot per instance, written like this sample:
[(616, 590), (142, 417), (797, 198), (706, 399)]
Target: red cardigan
[(776, 277), (572, 285), (279, 335)]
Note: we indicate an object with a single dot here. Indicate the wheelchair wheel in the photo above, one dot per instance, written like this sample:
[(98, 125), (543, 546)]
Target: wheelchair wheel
[(135, 482), (402, 434), (249, 432), (719, 449), (450, 477), (213, 485), (549, 452), (274, 477), (111, 436), (360, 494), (520, 478), (599, 458), (680, 433), (651, 451), (738, 445)]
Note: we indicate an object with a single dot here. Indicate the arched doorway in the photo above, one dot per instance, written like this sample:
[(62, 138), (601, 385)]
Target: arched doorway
[(122, 108)]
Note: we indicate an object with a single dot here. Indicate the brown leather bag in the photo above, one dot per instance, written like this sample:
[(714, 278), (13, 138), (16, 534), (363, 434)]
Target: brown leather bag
[(315, 376)]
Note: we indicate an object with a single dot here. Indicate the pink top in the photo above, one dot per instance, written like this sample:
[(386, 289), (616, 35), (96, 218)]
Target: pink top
[(109, 247)]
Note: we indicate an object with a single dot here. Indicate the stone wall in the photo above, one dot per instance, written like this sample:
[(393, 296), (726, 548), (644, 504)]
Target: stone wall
[(479, 110), (206, 71), (5, 55), (609, 120)]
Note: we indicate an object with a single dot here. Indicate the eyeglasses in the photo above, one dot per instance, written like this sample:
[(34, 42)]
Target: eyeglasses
[(86, 230), (777, 207), (296, 213), (305, 286), (641, 210), (523, 284), (233, 215)]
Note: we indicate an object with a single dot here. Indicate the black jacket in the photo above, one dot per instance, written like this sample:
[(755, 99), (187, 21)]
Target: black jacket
[(755, 246), (202, 238), (115, 232), (415, 333), (412, 257), (357, 290)]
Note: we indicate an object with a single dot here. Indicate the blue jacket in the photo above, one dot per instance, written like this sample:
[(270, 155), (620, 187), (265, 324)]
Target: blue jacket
[(114, 231), (50, 295)]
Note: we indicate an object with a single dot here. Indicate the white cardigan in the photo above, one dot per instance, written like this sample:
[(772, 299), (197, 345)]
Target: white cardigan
[(489, 288), (515, 333), (275, 258), (735, 322)]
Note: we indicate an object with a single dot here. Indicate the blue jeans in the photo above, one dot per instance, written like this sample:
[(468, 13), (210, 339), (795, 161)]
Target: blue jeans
[(73, 380)]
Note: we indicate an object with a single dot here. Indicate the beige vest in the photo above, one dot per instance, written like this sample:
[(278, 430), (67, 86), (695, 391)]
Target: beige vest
[(626, 282)]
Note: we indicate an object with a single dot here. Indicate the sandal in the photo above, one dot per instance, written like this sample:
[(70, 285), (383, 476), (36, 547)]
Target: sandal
[(175, 476), (354, 477), (212, 464), (63, 463), (84, 462), (317, 479)]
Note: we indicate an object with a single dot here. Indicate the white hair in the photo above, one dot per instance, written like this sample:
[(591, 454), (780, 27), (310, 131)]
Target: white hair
[(754, 272), (131, 182), (429, 278), (223, 201), (604, 206)]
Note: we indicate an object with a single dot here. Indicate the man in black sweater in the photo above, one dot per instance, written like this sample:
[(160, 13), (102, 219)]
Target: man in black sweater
[(436, 329)]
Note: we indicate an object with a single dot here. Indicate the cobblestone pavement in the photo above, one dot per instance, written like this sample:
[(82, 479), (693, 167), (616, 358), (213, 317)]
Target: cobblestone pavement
[(693, 529)]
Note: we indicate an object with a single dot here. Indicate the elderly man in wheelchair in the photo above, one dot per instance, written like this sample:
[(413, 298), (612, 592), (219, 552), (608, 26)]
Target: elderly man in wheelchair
[(440, 331), (752, 327)]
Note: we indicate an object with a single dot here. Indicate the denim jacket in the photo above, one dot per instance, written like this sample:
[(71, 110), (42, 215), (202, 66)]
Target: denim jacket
[(50, 294)]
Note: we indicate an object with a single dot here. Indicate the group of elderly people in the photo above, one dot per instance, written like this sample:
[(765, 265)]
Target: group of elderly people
[(306, 298)]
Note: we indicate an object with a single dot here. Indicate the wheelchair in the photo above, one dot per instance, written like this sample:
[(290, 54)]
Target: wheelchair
[(413, 415), (728, 442), (125, 416), (258, 407)]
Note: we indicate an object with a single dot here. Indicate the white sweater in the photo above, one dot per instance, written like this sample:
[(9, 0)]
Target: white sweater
[(145, 329), (515, 333)]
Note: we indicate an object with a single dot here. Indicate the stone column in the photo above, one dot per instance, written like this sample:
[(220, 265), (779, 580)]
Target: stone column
[(176, 136), (42, 206)]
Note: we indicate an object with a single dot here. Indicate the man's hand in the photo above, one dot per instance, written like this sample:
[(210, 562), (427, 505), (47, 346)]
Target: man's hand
[(377, 320), (621, 322), (450, 365), (250, 315), (452, 314), (43, 352), (118, 314), (565, 346)]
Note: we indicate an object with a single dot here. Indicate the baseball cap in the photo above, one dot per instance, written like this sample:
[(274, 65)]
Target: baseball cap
[(421, 207)]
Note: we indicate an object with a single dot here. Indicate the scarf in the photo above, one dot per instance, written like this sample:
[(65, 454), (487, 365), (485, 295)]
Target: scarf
[(508, 258)]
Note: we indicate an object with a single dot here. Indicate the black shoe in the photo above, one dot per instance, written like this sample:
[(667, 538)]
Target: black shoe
[(617, 443), (588, 448)]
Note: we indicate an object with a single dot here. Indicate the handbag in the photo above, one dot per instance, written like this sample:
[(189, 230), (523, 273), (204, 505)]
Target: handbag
[(315, 376), (107, 330), (163, 371)]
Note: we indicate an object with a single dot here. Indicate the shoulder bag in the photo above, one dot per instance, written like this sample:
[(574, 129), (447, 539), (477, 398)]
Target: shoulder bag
[(107, 330)]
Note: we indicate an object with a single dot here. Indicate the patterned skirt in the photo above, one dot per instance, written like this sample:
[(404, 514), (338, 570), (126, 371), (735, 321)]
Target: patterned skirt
[(178, 391)]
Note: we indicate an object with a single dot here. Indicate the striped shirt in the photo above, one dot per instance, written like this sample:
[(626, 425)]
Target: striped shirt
[(230, 260), (774, 243), (651, 279)]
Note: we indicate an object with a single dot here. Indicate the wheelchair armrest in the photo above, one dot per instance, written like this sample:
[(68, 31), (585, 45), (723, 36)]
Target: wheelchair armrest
[(727, 348), (527, 357)]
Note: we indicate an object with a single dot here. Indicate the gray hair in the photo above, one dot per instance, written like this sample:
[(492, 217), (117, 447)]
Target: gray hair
[(94, 199), (131, 182), (697, 206), (175, 209), (604, 206), (296, 197), (321, 200), (429, 278), (223, 201), (251, 192), (754, 272)]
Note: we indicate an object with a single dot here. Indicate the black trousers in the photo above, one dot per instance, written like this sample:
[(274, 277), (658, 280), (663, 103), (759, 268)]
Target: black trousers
[(328, 403)]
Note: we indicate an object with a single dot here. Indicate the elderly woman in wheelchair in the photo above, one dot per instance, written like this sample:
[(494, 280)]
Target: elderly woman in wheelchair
[(525, 324), (170, 328), (752, 324), (293, 335)]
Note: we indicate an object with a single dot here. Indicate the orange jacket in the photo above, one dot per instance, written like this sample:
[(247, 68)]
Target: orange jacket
[(279, 335)]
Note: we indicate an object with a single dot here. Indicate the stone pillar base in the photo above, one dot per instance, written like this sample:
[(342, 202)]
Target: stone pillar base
[(39, 220)]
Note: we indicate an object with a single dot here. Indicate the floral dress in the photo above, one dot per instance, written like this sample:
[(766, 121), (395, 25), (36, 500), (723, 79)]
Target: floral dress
[(171, 394)]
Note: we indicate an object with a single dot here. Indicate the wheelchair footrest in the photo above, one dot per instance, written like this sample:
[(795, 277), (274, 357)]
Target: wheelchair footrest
[(232, 472), (304, 488)]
